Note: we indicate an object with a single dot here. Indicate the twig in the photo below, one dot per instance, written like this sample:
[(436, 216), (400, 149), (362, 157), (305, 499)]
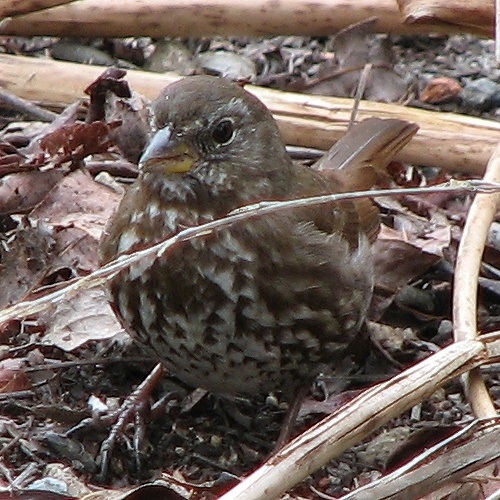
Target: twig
[(468, 263), (305, 120), (101, 275), (451, 459), (25, 107), (356, 420), (360, 92), (184, 18)]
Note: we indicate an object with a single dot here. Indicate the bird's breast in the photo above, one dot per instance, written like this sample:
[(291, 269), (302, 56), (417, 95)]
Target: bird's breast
[(250, 308)]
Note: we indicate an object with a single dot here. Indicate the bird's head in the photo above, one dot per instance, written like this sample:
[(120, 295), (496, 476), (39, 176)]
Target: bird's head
[(211, 131)]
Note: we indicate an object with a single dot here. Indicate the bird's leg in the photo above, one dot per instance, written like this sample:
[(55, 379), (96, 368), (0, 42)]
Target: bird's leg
[(130, 407), (290, 418)]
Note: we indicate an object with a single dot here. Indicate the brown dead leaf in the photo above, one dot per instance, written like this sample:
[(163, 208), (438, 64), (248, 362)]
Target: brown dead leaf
[(76, 141), (80, 202), (440, 90), (110, 80), (112, 101), (77, 209), (341, 77), (13, 376), (80, 319), (62, 141), (132, 135), (397, 262), (22, 191), (24, 261)]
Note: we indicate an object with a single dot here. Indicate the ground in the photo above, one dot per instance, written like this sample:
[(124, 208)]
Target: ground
[(58, 397)]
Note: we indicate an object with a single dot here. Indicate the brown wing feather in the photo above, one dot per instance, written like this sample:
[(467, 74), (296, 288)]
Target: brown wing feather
[(357, 162)]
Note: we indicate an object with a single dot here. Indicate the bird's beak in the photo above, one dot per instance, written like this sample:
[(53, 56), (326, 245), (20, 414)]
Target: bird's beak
[(167, 154)]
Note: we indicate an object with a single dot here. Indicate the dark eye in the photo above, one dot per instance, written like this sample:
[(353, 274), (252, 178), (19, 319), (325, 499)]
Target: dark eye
[(223, 132)]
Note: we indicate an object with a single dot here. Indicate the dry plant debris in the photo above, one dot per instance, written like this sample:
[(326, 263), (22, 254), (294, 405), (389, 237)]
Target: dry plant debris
[(64, 373)]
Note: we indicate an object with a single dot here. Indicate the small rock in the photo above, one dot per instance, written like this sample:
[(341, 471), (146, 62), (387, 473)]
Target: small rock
[(75, 52), (170, 55), (481, 94), (228, 64)]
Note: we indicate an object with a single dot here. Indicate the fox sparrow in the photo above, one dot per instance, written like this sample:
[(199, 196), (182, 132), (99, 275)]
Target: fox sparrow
[(263, 304)]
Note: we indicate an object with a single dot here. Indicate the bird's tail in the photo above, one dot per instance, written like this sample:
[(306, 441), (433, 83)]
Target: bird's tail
[(358, 161)]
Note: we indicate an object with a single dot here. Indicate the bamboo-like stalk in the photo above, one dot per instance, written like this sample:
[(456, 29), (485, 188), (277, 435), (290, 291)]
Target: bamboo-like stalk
[(473, 15), (349, 425), (445, 140), (187, 18), (469, 257), (20, 7)]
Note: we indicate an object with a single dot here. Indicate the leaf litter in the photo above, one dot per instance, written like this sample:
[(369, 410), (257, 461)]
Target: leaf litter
[(74, 362)]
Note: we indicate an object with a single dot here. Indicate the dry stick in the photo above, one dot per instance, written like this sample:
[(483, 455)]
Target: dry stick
[(469, 257), (356, 420), (304, 120), (470, 15), (11, 8), (360, 91), (189, 18), (103, 274), (450, 460), (29, 109)]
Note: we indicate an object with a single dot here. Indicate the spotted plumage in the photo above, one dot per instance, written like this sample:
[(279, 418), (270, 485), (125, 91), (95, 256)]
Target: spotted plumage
[(258, 306)]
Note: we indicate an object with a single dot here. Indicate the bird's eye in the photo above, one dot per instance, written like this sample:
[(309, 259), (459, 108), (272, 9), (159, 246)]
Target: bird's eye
[(223, 132)]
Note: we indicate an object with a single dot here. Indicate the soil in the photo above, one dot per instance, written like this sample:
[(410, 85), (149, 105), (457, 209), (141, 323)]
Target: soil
[(58, 405)]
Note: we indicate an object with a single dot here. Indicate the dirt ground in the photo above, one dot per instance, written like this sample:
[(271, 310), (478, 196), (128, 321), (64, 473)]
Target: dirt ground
[(60, 396)]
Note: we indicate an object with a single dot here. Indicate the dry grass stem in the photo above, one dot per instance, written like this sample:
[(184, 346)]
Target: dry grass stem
[(101, 275), (470, 251)]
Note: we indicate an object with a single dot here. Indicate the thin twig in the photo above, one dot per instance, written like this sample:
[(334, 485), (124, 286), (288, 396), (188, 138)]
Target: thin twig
[(25, 107), (104, 273), (360, 92)]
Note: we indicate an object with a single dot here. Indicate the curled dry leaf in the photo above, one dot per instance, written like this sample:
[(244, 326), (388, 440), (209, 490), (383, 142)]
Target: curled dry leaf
[(76, 141), (77, 209), (440, 90), (83, 318), (111, 100), (64, 140), (341, 77), (13, 376)]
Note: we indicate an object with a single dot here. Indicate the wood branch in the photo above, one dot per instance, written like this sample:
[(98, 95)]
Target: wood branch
[(449, 461), (473, 15), (469, 258), (352, 423), (445, 140), (186, 18), (10, 8)]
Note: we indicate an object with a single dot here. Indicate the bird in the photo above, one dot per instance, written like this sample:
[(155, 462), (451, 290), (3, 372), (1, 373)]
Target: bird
[(266, 303)]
